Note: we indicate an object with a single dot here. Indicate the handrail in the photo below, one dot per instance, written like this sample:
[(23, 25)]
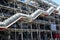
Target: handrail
[(10, 21)]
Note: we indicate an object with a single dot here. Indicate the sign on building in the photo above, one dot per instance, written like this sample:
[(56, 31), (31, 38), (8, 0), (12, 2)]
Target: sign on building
[(53, 27)]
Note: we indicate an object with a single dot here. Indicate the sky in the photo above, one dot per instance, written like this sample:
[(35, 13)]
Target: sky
[(57, 1)]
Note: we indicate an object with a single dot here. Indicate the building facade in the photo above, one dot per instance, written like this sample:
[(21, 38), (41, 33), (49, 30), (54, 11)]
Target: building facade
[(44, 27)]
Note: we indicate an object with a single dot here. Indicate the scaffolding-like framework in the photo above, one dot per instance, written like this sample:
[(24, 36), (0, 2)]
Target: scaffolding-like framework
[(23, 21)]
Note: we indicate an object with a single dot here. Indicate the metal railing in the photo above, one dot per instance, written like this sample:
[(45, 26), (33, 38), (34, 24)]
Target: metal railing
[(10, 21)]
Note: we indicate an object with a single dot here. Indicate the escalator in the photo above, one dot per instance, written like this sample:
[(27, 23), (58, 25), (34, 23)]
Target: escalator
[(10, 21), (58, 9)]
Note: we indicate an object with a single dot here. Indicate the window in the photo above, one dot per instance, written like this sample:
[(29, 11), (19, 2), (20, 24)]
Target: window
[(24, 26), (47, 27), (24, 8), (0, 14), (41, 26), (34, 26), (26, 35), (35, 36)]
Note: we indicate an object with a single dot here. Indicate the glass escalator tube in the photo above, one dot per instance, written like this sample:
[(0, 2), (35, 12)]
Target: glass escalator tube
[(10, 21), (50, 10), (36, 14)]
